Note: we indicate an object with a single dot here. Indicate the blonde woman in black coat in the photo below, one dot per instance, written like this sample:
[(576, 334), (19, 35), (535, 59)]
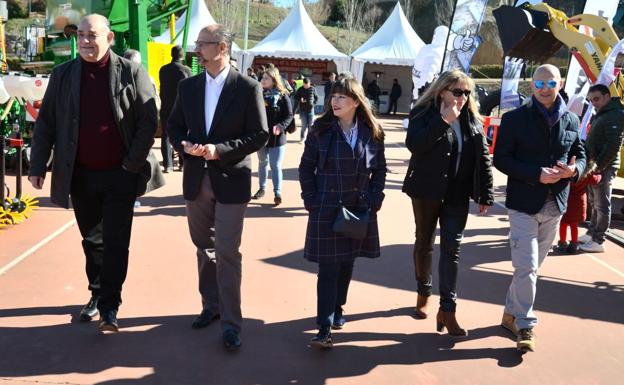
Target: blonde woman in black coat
[(450, 164)]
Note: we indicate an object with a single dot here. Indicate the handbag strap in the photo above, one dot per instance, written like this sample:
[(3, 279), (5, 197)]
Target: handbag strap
[(357, 165)]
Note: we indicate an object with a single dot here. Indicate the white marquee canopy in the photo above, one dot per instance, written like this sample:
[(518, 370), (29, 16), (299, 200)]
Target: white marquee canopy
[(296, 37), (395, 42)]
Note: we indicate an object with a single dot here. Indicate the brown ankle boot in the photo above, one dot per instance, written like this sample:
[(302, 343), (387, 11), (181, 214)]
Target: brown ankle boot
[(448, 320), (421, 306)]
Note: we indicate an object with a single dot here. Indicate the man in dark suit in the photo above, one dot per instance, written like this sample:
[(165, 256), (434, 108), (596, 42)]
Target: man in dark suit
[(331, 80), (99, 114), (170, 75), (217, 121), (395, 94), (539, 148)]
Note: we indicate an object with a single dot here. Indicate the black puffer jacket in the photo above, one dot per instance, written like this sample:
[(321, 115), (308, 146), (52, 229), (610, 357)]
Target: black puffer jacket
[(429, 139), (279, 113)]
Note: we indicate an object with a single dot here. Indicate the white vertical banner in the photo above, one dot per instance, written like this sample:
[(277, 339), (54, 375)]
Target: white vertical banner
[(509, 87), (463, 40), (576, 77)]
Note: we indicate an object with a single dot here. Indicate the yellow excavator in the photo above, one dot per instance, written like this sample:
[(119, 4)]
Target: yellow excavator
[(536, 32)]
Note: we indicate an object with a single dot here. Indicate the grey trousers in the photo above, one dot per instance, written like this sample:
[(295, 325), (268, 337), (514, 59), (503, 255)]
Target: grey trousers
[(530, 237), (599, 197), (216, 230)]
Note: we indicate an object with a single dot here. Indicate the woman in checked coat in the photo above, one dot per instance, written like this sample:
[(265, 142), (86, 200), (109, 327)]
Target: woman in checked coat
[(343, 160)]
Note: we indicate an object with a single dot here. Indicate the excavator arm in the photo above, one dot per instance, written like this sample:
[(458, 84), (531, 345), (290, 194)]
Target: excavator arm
[(536, 32)]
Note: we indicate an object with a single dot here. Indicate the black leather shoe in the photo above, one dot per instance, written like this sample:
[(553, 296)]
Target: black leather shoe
[(204, 319), (323, 339), (339, 320), (89, 310), (231, 340), (259, 194), (108, 321)]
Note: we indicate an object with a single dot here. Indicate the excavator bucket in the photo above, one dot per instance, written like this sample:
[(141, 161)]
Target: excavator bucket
[(524, 34)]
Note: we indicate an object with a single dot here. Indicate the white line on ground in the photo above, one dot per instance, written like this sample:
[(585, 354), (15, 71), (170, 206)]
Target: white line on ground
[(36, 247)]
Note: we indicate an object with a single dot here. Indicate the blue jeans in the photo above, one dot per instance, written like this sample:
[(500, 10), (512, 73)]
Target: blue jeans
[(599, 197), (306, 122), (531, 237), (273, 155), (331, 290)]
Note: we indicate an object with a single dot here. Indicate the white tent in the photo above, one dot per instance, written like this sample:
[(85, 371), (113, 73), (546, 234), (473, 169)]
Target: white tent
[(390, 51), (200, 17), (297, 38), (394, 43)]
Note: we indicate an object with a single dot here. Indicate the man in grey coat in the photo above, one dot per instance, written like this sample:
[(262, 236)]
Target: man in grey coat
[(99, 115)]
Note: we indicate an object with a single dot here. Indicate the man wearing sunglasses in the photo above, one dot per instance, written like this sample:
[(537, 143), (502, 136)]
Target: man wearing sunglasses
[(603, 152), (539, 148)]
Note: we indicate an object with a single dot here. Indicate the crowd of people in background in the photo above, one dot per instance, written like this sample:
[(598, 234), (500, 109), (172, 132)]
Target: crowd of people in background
[(217, 119)]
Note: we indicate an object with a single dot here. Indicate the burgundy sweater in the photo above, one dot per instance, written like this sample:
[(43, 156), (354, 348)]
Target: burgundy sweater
[(99, 144)]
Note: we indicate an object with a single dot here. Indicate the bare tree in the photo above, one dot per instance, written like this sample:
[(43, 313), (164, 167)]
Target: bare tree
[(318, 10), (228, 13)]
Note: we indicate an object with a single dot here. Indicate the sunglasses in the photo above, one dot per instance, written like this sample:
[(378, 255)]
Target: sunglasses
[(457, 92), (539, 84)]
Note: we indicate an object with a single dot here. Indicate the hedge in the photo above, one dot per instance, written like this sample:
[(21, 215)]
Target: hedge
[(495, 71)]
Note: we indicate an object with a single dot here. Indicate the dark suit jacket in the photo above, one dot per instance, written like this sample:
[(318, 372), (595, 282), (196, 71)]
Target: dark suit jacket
[(134, 108), (239, 128), (170, 75), (524, 145)]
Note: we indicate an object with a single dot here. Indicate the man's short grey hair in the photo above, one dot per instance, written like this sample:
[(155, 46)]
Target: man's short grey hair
[(98, 17), (222, 33), (132, 55)]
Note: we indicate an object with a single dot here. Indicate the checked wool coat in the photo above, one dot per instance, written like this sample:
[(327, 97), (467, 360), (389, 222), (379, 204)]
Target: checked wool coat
[(331, 170)]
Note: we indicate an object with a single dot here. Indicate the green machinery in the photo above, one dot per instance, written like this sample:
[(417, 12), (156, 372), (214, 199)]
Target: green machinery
[(134, 22)]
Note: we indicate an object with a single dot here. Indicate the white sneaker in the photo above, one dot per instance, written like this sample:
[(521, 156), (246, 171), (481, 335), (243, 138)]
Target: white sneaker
[(585, 238), (592, 247)]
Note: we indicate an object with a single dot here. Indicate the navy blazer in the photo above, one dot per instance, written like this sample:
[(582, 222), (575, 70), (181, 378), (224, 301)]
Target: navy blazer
[(239, 128), (524, 145)]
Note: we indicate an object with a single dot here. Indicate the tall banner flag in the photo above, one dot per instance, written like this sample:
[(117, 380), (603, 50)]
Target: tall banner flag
[(463, 41), (576, 77), (509, 87)]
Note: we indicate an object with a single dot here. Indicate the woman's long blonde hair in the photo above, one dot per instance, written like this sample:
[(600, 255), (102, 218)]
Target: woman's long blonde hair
[(353, 89), (431, 97), (274, 74)]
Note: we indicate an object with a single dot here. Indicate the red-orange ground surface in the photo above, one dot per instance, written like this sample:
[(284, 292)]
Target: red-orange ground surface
[(580, 303)]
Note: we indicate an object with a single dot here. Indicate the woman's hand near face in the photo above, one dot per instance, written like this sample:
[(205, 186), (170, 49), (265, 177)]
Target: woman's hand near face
[(449, 113)]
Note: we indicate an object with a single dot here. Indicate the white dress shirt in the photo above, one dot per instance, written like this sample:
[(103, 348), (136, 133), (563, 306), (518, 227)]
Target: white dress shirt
[(214, 86)]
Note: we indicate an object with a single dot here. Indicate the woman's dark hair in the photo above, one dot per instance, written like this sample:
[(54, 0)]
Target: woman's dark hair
[(353, 89)]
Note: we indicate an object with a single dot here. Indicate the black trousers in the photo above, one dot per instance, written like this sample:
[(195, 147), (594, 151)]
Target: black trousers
[(331, 290), (393, 104), (103, 204), (165, 147), (452, 217)]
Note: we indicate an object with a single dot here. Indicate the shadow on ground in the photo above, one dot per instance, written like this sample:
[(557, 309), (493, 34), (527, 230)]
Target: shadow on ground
[(273, 353)]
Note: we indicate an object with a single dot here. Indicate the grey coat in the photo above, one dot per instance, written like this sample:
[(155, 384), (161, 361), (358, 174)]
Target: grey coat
[(134, 109)]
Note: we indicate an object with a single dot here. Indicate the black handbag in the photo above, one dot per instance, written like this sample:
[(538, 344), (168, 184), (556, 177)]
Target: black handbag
[(350, 223)]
